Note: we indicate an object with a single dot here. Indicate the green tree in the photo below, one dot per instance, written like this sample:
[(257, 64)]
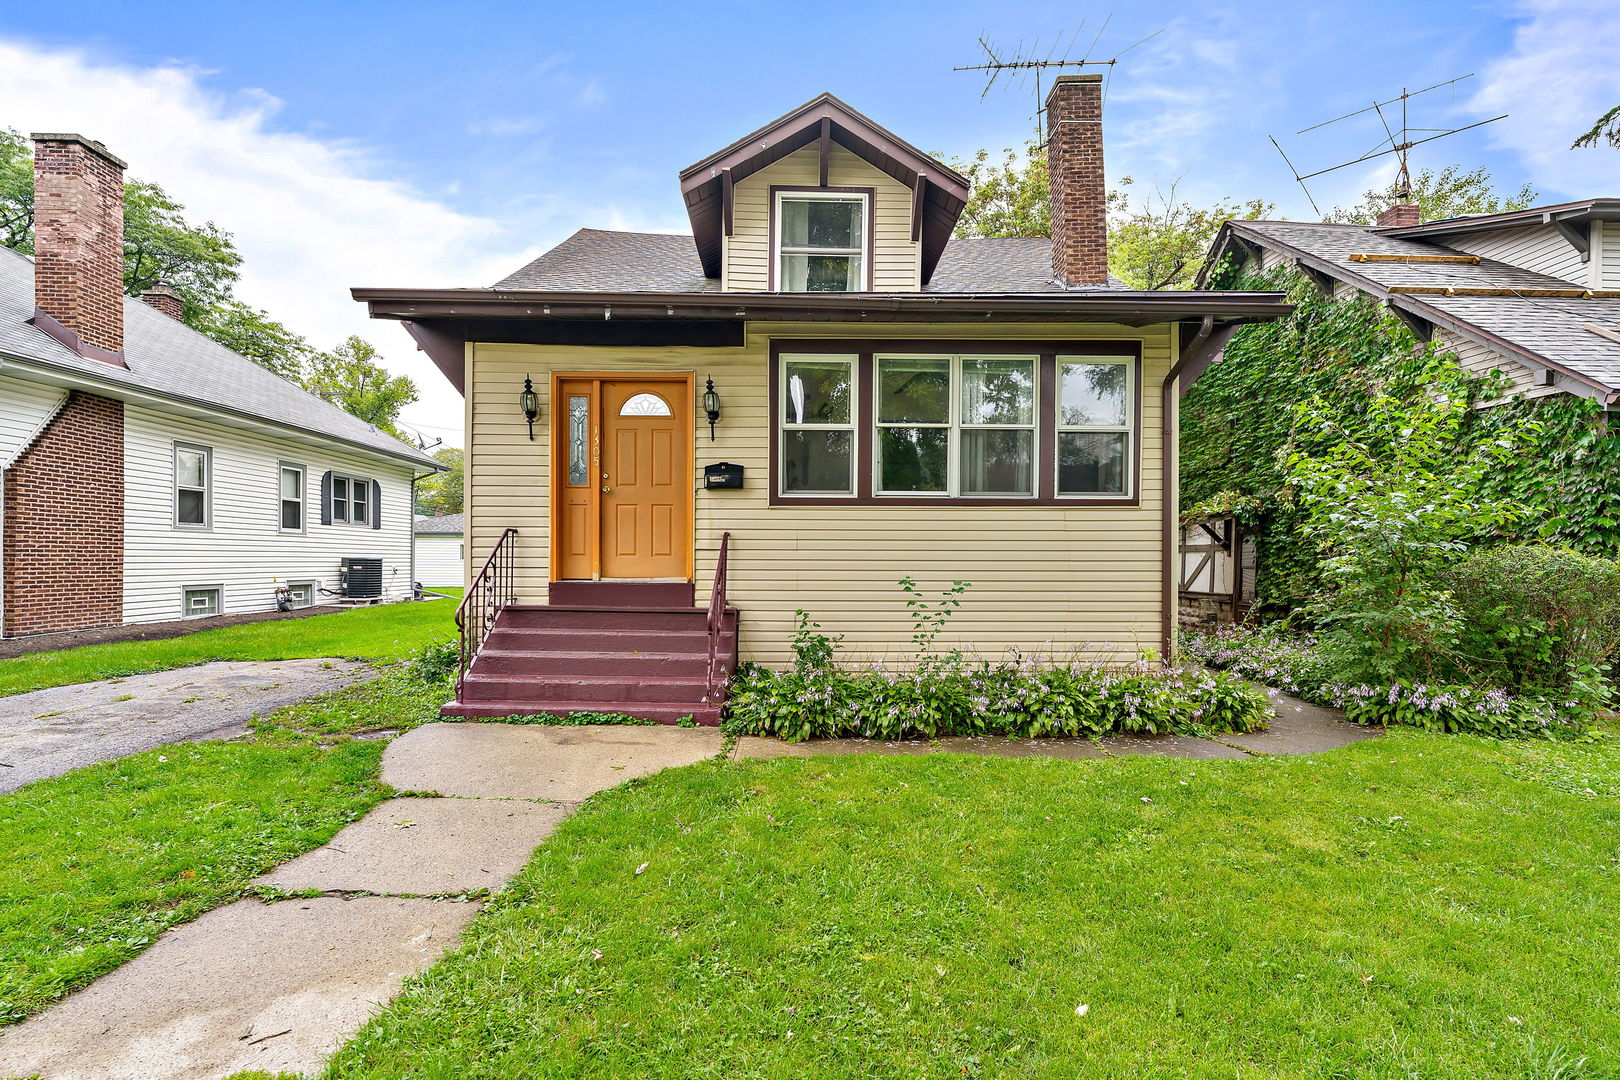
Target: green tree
[(252, 333), (1162, 242), (16, 192), (441, 493), (1158, 242), (350, 378), (1607, 129), (1449, 193)]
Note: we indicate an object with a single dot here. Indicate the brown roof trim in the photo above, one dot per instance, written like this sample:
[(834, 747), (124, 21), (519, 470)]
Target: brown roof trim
[(941, 191), (1584, 210), (1415, 306), (1090, 305)]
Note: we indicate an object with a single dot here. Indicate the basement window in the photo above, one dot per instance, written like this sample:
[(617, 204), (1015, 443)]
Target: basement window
[(821, 241), (301, 593), (199, 600)]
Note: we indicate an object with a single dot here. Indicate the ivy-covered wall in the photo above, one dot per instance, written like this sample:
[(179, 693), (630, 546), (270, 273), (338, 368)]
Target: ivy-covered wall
[(1331, 356)]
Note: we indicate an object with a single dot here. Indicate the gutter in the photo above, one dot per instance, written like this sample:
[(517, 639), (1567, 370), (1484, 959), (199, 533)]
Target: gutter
[(82, 381), (1195, 356)]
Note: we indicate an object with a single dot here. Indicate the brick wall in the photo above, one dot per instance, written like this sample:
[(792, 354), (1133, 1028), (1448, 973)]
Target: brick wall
[(79, 237), (63, 562), (1074, 156)]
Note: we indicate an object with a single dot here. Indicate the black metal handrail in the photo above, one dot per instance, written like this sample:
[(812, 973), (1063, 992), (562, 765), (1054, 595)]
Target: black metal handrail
[(717, 622), (488, 595)]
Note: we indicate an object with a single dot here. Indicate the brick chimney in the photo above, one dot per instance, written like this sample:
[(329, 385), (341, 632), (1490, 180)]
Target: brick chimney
[(1074, 156), (163, 297), (79, 239), (1400, 216)]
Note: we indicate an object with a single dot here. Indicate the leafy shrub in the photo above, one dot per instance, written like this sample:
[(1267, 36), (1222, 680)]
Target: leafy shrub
[(1296, 665), (436, 664), (1537, 619), (1018, 698)]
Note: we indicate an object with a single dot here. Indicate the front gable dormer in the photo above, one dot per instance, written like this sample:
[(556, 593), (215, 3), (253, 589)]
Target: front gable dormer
[(822, 200)]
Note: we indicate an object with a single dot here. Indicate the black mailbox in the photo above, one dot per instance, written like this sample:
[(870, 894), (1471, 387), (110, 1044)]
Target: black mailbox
[(722, 474)]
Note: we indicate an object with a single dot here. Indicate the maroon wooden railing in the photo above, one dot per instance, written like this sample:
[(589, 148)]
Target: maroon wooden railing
[(717, 623), (487, 595)]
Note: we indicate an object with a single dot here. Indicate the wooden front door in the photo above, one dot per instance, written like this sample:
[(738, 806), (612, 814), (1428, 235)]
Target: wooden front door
[(623, 480)]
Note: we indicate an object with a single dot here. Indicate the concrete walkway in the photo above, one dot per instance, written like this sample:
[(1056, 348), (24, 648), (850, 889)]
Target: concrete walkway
[(279, 986), (50, 732)]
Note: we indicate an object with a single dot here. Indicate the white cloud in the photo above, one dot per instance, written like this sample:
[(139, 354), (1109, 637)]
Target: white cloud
[(1559, 77), (311, 217)]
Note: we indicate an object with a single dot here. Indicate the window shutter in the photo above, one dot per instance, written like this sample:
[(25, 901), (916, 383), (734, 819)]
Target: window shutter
[(376, 505), (326, 497)]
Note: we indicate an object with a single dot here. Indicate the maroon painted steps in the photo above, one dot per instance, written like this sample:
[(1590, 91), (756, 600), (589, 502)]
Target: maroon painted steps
[(649, 662)]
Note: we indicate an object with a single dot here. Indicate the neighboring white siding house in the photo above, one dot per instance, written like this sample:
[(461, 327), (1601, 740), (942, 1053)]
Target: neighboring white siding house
[(441, 552), (243, 549)]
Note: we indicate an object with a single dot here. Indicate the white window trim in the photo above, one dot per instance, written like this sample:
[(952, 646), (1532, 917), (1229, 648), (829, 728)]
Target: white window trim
[(1128, 428), (852, 360), (348, 503), (955, 427), (207, 522), (219, 600), (863, 252), (303, 498)]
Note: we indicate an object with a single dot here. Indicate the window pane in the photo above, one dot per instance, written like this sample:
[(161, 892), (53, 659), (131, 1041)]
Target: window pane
[(645, 405), (291, 483), (360, 493), (914, 459), (1093, 393), (189, 508), (914, 390), (822, 273), (996, 462), (292, 515), (818, 392), (579, 431), (340, 489), (189, 468), (1092, 462), (817, 461), (202, 602), (822, 223), (998, 391)]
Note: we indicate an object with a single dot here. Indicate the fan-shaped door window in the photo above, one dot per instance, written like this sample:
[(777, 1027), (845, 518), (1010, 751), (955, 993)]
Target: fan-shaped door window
[(645, 405)]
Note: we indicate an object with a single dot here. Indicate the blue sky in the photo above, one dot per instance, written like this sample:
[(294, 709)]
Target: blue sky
[(369, 143)]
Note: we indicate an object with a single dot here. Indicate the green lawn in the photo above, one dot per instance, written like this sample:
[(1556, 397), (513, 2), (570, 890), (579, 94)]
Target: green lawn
[(388, 631), (1418, 906)]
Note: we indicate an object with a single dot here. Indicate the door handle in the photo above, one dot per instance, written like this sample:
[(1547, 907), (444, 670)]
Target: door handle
[(606, 489)]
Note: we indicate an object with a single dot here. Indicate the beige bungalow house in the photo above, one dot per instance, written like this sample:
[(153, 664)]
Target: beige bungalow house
[(676, 443)]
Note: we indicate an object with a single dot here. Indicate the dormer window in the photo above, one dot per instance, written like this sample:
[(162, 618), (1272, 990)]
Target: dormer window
[(821, 241)]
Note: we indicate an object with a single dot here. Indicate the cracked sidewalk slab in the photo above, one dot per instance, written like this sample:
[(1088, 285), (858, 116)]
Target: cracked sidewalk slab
[(562, 763), (425, 847), (49, 732), (275, 987)]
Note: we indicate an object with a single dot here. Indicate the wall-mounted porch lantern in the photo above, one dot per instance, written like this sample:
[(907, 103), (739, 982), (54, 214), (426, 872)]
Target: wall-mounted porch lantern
[(529, 402), (711, 406)]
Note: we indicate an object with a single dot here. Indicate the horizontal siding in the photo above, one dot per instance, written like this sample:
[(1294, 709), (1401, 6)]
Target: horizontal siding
[(1480, 359), (1536, 247), (25, 407), (244, 551), (1044, 578), (896, 261), (439, 561), (1606, 254)]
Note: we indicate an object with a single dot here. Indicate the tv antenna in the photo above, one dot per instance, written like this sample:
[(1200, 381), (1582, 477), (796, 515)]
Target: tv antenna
[(1029, 63), (1392, 143)]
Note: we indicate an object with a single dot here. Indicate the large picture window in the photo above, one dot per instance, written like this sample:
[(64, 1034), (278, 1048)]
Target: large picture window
[(928, 422), (820, 241), (955, 425)]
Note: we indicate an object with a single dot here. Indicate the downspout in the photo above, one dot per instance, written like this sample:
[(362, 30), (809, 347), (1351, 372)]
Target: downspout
[(1169, 488)]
